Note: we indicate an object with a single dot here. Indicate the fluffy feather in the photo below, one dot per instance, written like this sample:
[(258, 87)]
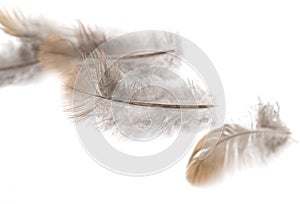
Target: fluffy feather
[(45, 44), (135, 102), (239, 145)]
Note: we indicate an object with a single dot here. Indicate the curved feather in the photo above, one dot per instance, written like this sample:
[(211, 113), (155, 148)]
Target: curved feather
[(239, 146), (139, 100)]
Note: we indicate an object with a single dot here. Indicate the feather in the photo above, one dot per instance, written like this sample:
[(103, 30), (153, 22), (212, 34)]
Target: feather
[(110, 92), (239, 145), (53, 47)]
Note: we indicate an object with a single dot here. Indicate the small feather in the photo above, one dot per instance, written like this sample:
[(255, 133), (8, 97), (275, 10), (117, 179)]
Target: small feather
[(239, 146)]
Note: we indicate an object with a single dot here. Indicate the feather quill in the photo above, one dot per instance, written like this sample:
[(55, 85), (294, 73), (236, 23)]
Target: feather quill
[(239, 146)]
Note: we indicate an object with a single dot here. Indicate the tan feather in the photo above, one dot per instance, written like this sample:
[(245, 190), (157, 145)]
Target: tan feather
[(238, 146)]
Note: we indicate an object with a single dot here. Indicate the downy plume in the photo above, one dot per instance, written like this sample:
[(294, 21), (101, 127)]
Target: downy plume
[(118, 95)]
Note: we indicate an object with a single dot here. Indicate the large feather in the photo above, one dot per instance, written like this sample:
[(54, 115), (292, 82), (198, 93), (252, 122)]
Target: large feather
[(239, 145), (142, 101)]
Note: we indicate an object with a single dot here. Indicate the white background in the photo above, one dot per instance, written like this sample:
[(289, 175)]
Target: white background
[(254, 45)]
